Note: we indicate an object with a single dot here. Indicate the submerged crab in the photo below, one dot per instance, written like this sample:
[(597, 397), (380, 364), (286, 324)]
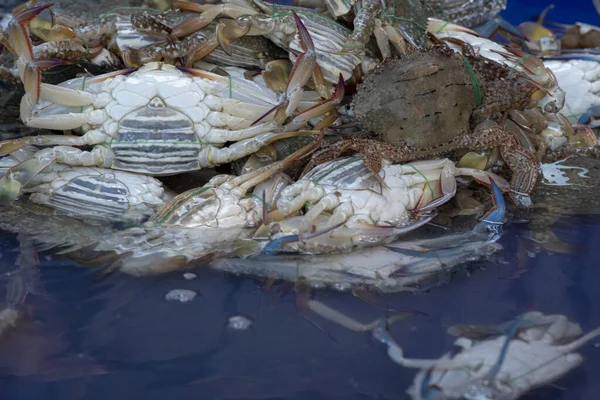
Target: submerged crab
[(424, 103), (161, 120), (532, 351), (498, 362), (364, 211)]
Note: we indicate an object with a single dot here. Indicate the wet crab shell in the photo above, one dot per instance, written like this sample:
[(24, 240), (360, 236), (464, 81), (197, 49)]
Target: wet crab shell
[(98, 194), (424, 99)]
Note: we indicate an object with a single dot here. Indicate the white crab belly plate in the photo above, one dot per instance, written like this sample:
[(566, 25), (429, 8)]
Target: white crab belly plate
[(156, 140)]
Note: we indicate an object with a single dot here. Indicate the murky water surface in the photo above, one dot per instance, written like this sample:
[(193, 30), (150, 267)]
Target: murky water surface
[(120, 336), (117, 337)]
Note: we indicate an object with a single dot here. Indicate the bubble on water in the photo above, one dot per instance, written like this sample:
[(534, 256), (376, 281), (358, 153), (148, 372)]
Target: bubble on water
[(182, 295), (239, 322), (188, 276)]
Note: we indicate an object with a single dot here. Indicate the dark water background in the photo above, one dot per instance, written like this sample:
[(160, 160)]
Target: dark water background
[(119, 339)]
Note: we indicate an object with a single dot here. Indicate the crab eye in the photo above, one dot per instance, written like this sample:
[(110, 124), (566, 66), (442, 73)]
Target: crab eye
[(551, 108)]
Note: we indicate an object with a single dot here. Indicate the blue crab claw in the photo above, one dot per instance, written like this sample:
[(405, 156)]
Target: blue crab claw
[(491, 220), (275, 246), (497, 213), (590, 115), (17, 177)]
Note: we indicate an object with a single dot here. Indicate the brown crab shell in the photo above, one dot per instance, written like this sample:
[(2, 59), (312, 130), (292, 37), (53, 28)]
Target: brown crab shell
[(424, 99)]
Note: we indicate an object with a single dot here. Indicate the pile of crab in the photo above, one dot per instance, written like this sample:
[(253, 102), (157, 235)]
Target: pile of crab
[(328, 132), (342, 128)]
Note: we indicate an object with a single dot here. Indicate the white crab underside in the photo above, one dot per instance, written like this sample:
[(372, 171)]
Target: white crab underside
[(158, 119), (580, 79)]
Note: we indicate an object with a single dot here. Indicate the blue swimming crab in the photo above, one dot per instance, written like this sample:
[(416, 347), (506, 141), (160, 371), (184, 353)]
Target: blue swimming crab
[(160, 119), (424, 104)]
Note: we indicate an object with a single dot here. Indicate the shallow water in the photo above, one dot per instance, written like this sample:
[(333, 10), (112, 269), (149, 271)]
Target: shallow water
[(120, 337)]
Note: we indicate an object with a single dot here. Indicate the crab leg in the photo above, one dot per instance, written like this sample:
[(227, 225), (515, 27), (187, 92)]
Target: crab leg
[(29, 71), (18, 32), (89, 138), (303, 68), (211, 156), (251, 179), (523, 163), (364, 25)]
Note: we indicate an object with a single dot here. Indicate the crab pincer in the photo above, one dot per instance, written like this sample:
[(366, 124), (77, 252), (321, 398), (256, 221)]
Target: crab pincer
[(18, 32)]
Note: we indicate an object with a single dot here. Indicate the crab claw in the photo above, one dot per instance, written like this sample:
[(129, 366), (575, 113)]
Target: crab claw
[(276, 245), (276, 74), (447, 187), (319, 109), (496, 214), (17, 177), (439, 249), (18, 33), (193, 24), (229, 30)]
